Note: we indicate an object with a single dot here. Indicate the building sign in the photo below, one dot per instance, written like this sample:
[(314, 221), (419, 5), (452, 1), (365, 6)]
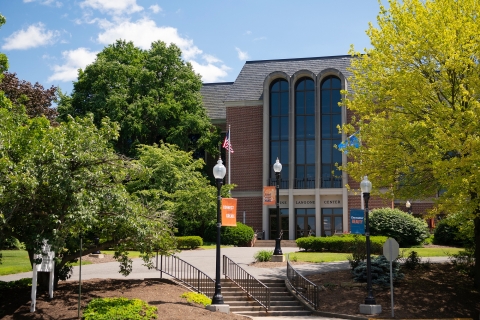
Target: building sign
[(229, 212), (357, 224), (269, 195), (331, 202)]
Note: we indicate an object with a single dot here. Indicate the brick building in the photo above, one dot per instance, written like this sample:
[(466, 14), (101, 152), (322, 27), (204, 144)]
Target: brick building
[(288, 108)]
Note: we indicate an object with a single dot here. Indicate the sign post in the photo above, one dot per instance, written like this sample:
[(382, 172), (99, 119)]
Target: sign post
[(391, 251), (47, 264)]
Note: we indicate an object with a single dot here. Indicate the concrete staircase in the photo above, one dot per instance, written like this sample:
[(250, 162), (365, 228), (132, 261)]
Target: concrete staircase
[(271, 243), (282, 302)]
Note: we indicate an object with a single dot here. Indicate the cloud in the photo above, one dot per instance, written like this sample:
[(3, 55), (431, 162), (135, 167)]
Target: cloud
[(209, 71), (242, 55), (74, 60), (35, 36), (47, 2), (155, 8), (143, 32), (260, 38), (114, 7)]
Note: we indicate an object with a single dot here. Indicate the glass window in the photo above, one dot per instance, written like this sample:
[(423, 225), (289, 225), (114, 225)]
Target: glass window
[(279, 127)]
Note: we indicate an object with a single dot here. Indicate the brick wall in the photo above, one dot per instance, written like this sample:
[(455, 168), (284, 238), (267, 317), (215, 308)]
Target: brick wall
[(247, 142), (253, 212)]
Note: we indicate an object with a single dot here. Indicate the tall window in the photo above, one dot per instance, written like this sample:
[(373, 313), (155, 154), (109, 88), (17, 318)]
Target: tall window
[(331, 117), (279, 129), (305, 134)]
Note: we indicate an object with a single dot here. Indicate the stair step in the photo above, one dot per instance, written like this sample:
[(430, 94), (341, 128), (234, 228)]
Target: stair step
[(274, 313), (271, 243)]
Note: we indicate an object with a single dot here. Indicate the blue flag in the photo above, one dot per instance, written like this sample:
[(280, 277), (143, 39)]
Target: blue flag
[(351, 141)]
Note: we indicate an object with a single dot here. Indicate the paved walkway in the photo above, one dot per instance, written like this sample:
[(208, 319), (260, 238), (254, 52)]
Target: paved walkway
[(205, 261)]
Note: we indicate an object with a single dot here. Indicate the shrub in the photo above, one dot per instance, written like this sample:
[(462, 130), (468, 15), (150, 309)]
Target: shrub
[(119, 308), (189, 242), (241, 235), (198, 298), (412, 261), (263, 255), (401, 226), (17, 284), (344, 243), (464, 261), (379, 271), (11, 243)]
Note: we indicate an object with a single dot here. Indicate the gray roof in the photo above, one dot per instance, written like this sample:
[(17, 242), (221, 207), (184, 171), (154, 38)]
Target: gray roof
[(249, 83), (213, 97)]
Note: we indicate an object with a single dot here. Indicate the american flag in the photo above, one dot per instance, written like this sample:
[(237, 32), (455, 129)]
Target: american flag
[(226, 143)]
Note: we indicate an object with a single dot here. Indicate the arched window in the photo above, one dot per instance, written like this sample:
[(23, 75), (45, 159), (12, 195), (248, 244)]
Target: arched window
[(279, 128), (305, 134), (331, 117)]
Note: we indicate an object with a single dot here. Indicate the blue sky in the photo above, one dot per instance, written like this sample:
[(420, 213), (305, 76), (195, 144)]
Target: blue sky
[(47, 41)]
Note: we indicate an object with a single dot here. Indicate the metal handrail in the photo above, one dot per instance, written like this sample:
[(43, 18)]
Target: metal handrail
[(185, 273), (248, 283), (302, 286)]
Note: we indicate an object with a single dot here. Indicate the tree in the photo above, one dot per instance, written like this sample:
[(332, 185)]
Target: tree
[(415, 95), (66, 182), (153, 94), (36, 99), (173, 180), (3, 57)]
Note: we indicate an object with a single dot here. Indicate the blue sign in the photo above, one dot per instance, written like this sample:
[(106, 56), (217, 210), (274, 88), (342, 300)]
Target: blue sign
[(357, 223)]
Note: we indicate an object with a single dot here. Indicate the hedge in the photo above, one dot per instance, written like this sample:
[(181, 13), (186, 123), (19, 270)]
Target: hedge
[(239, 236), (342, 243), (189, 242)]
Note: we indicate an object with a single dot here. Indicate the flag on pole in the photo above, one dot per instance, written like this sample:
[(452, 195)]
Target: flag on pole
[(351, 141), (226, 143)]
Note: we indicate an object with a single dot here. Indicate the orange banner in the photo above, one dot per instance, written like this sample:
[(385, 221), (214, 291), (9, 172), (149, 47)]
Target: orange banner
[(269, 195), (229, 212)]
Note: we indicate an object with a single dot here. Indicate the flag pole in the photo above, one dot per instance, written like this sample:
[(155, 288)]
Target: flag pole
[(230, 143)]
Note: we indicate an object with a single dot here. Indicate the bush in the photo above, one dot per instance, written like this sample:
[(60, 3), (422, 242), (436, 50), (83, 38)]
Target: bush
[(11, 243), (347, 243), (379, 271), (263, 255), (464, 261), (394, 223), (241, 235), (119, 308), (198, 298), (412, 261), (189, 242)]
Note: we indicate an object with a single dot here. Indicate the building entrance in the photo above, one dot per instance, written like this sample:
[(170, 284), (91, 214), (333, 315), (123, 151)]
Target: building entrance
[(332, 221), (283, 222), (305, 222)]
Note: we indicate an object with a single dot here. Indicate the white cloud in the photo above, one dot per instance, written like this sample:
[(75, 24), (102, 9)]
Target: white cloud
[(248, 32), (74, 60), (242, 55), (115, 7), (47, 2), (155, 8), (260, 38), (143, 32), (36, 35), (210, 72)]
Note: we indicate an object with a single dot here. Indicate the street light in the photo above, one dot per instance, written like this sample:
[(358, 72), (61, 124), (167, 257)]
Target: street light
[(277, 167), (366, 187), (409, 207), (219, 173)]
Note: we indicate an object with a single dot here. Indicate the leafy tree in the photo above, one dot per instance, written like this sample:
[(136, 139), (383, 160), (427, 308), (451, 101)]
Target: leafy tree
[(3, 57), (153, 94), (172, 179), (36, 99), (61, 183), (415, 96)]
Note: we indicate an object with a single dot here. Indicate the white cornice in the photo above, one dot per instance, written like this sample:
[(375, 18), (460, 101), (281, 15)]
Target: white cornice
[(244, 103)]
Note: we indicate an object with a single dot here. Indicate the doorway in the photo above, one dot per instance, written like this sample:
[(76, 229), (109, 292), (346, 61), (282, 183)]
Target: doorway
[(305, 222), (283, 223), (332, 221)]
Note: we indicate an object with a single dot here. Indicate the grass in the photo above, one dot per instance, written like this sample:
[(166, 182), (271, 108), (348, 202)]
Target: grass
[(16, 261), (431, 252)]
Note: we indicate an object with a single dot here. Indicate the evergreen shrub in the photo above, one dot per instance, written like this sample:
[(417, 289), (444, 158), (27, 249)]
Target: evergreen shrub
[(379, 271), (446, 234), (189, 242), (394, 223), (343, 243), (239, 236)]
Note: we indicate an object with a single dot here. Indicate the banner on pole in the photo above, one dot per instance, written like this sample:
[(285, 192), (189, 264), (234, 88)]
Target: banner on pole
[(269, 195), (229, 212), (357, 224)]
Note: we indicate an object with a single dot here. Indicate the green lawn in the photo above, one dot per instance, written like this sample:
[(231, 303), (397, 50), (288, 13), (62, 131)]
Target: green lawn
[(16, 261)]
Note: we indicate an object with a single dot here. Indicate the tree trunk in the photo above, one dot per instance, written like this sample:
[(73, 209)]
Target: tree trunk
[(476, 222)]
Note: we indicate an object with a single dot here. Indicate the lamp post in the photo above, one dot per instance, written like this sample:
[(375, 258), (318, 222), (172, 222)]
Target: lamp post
[(409, 207), (219, 173), (366, 187), (277, 167)]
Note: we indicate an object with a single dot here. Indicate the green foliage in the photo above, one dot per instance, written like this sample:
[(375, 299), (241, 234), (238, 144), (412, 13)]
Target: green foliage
[(241, 235), (343, 243), (198, 298), (189, 242), (152, 94), (263, 255), (380, 271), (401, 226), (119, 308), (464, 261), (11, 243), (445, 234), (3, 57), (412, 261), (456, 229), (358, 249), (17, 284)]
